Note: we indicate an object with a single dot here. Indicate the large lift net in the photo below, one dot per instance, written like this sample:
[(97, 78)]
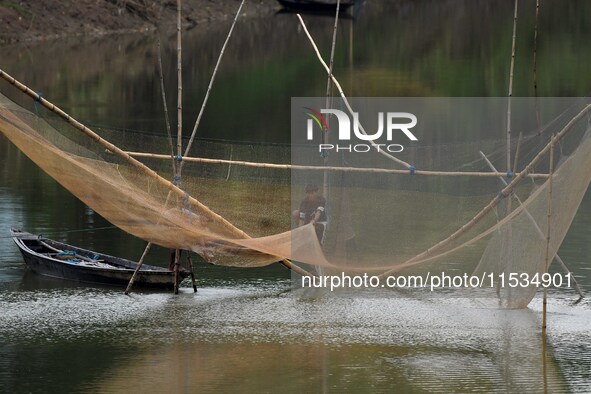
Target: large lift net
[(383, 218)]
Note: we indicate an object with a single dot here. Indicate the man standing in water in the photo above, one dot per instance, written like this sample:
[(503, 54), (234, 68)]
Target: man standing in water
[(313, 210)]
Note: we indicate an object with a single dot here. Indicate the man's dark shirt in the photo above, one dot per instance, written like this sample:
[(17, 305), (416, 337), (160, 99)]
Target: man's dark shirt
[(308, 209)]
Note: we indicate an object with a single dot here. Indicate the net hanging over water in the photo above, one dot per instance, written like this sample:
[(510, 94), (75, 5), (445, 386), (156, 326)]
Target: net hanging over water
[(381, 217)]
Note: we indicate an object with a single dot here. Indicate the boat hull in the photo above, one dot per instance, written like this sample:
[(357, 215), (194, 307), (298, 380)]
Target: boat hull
[(314, 6), (119, 275)]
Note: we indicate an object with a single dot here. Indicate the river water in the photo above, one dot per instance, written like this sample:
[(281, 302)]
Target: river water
[(246, 330)]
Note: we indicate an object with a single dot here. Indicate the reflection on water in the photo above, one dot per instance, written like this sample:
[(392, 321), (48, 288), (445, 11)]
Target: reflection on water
[(245, 331), (254, 339)]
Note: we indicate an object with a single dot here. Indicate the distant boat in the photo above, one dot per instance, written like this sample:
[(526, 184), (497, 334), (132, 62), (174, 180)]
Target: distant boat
[(60, 260), (315, 5)]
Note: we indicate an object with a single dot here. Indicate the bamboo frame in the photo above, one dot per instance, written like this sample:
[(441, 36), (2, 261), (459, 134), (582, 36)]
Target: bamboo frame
[(137, 164), (539, 230), (328, 168), (503, 194)]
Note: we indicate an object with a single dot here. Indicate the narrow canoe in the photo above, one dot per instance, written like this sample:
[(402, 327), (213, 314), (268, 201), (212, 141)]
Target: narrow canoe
[(59, 260)]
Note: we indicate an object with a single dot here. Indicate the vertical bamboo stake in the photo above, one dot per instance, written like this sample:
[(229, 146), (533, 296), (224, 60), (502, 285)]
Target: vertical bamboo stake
[(509, 233), (547, 259), (511, 88), (168, 131), (180, 123), (137, 269), (177, 257), (215, 70), (544, 363), (190, 260), (161, 76), (329, 93), (180, 79), (332, 49), (535, 61)]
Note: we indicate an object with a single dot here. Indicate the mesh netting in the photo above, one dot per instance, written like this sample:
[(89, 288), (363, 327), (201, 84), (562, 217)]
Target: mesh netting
[(377, 222)]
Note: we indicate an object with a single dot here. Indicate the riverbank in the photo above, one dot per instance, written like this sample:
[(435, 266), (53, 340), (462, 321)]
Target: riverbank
[(30, 20)]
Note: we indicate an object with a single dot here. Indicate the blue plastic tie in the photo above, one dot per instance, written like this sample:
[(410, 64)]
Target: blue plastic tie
[(96, 257), (500, 195), (178, 158), (187, 206), (37, 100), (412, 169), (510, 174), (324, 154), (176, 180)]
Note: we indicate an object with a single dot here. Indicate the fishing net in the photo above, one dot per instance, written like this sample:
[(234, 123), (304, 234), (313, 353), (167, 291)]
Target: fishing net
[(235, 213), (459, 218)]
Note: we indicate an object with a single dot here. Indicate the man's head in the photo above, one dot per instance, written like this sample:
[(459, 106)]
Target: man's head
[(311, 188)]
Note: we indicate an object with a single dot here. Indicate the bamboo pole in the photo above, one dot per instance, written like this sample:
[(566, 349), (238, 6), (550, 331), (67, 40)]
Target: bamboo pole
[(190, 260), (510, 95), (177, 258), (177, 252), (167, 120), (168, 132), (179, 152), (342, 94), (138, 165), (538, 229), (137, 269), (545, 362), (502, 194), (179, 80), (215, 70), (329, 94), (336, 169), (517, 151), (332, 50), (535, 63), (547, 257)]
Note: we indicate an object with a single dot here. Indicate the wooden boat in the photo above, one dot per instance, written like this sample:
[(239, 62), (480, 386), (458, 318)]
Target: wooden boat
[(315, 5), (60, 260)]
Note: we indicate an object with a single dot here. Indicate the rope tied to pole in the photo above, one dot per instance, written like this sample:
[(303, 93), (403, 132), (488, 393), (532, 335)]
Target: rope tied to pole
[(186, 204), (37, 101)]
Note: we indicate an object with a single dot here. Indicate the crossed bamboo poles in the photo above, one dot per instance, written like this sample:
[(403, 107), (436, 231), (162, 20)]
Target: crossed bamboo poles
[(175, 190)]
